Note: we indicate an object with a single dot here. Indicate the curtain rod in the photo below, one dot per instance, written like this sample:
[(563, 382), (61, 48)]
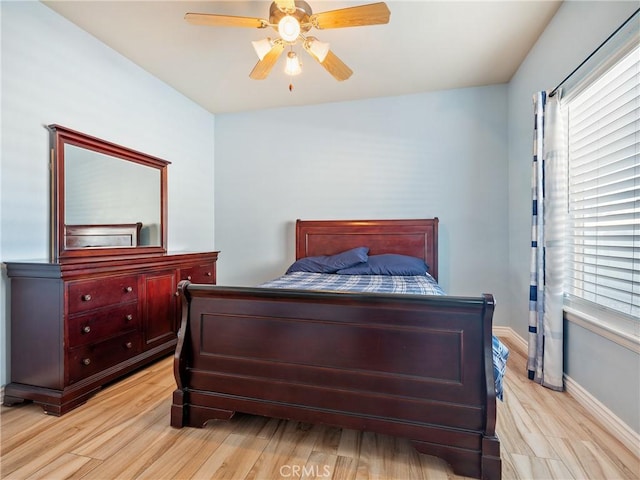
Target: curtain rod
[(555, 90)]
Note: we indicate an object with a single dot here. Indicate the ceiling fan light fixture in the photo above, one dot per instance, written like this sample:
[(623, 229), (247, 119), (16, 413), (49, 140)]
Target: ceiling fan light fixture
[(293, 66), (289, 28), (262, 47), (318, 49), (292, 20)]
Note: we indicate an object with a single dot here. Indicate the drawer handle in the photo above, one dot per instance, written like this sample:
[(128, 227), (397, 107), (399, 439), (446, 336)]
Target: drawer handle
[(128, 289), (189, 277), (208, 274), (86, 298), (86, 329), (128, 317), (128, 345), (86, 361)]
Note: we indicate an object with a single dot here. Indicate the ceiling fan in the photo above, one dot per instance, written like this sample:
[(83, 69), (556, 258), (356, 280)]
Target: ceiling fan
[(293, 19)]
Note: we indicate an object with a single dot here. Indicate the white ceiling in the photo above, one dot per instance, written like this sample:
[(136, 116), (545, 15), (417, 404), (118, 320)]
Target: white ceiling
[(427, 45)]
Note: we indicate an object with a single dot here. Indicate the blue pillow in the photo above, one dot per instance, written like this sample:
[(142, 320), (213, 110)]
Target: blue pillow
[(331, 263), (388, 264)]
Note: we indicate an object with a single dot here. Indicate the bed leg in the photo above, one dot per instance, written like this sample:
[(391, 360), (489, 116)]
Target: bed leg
[(463, 461), (491, 463), (178, 411), (185, 414), (199, 415), (485, 465)]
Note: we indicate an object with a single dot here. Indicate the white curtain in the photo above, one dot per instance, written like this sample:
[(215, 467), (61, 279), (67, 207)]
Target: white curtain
[(548, 226)]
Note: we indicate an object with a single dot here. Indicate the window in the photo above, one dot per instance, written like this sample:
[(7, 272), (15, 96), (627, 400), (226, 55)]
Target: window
[(603, 279)]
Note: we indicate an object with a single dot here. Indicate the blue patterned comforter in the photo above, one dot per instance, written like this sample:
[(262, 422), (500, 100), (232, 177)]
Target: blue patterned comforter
[(415, 285)]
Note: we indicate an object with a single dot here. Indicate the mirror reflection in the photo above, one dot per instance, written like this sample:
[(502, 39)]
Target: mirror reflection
[(106, 190)]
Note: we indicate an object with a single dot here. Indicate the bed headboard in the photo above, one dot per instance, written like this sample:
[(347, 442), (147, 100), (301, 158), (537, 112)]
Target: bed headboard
[(111, 235), (418, 238)]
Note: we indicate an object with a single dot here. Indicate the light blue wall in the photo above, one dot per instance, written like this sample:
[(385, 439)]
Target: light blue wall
[(54, 72), (606, 370), (438, 154)]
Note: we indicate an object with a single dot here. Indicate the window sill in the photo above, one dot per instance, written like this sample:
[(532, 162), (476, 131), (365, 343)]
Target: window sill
[(625, 339)]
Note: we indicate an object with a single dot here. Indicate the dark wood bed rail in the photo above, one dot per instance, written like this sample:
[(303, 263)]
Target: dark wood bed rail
[(418, 367)]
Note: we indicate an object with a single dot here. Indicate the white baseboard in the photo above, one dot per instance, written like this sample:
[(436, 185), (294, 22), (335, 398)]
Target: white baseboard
[(609, 420), (619, 429), (511, 335)]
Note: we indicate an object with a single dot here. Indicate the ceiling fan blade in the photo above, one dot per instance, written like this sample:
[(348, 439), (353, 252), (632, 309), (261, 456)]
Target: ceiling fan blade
[(336, 67), (332, 64), (372, 14), (214, 20), (264, 66), (286, 5)]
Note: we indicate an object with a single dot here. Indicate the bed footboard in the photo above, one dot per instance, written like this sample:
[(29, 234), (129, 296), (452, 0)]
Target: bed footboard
[(417, 367)]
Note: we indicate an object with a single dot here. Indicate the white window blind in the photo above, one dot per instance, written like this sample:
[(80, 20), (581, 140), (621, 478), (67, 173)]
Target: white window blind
[(604, 190)]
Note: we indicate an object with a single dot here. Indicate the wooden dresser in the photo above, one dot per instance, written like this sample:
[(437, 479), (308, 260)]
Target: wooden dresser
[(81, 323)]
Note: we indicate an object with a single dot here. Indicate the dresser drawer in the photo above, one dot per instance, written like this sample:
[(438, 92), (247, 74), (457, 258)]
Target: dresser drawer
[(101, 324), (89, 294), (87, 360), (205, 273)]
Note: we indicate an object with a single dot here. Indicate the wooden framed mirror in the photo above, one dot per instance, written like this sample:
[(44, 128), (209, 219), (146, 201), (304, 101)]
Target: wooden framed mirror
[(106, 199)]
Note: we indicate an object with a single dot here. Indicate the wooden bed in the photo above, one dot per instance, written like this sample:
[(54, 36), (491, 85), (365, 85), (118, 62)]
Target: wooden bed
[(412, 366)]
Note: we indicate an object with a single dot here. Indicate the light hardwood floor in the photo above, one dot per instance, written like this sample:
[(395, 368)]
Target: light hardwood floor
[(124, 433)]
